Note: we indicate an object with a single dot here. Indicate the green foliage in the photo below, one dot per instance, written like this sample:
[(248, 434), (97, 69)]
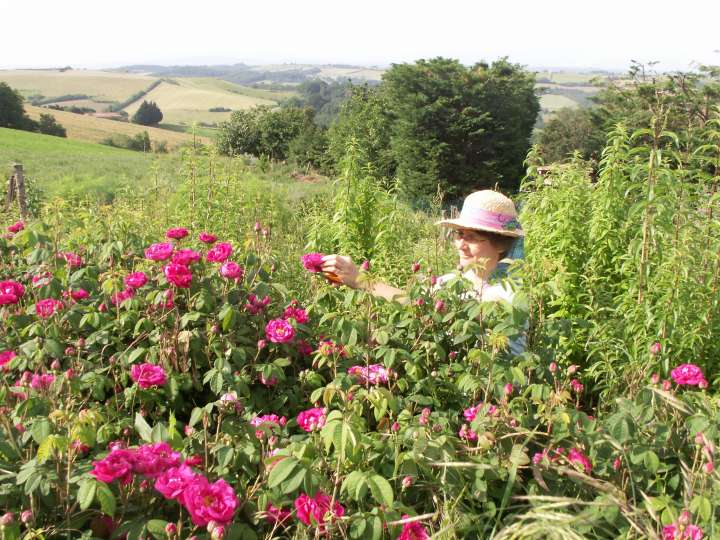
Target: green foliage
[(570, 130), (47, 125), (446, 121), (322, 97), (12, 114), (148, 114)]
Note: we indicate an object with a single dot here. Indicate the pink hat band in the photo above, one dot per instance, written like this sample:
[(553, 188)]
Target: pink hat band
[(489, 219)]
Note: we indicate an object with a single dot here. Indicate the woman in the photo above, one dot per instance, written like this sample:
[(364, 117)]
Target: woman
[(483, 234)]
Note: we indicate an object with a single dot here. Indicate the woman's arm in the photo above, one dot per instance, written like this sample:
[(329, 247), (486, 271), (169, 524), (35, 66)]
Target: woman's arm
[(350, 275)]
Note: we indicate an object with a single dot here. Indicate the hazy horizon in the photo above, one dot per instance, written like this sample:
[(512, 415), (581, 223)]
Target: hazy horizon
[(556, 33)]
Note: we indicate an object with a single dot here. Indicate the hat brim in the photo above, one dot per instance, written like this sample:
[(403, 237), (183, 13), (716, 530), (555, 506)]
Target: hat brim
[(460, 223)]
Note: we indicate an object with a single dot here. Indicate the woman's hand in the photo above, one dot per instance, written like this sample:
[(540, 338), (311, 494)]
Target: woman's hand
[(343, 267)]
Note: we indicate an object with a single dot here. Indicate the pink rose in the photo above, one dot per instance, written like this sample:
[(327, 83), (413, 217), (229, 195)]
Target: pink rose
[(79, 294), (413, 530), (73, 260), (119, 297), (577, 386), (178, 274), (186, 256), (16, 227), (135, 280), (312, 261), (5, 357), (152, 460), (688, 374), (160, 251), (10, 292), (231, 270), (219, 252), (177, 233), (270, 419), (279, 331), (209, 502), (276, 515), (675, 532), (47, 307), (311, 511), (299, 314), (255, 305), (41, 381), (576, 456), (117, 465), (148, 375), (372, 374), (655, 348), (311, 419), (207, 238), (41, 280)]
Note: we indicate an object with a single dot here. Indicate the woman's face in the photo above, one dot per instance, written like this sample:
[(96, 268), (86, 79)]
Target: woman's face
[(474, 248)]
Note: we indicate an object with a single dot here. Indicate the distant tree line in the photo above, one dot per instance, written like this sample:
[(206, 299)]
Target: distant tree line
[(12, 115), (428, 124)]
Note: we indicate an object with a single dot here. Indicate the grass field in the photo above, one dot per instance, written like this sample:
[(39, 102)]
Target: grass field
[(90, 129), (552, 102), (103, 85), (189, 101), (73, 168)]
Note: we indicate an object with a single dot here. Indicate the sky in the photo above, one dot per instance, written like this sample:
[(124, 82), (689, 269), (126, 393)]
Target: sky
[(603, 34)]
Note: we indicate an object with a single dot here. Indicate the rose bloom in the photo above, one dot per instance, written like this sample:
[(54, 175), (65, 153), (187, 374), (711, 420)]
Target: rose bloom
[(210, 502), (255, 305), (16, 227), (177, 233), (172, 483), (311, 510), (690, 532), (79, 294), (45, 308), (231, 270), (10, 292), (299, 314), (73, 260), (5, 357), (117, 465), (312, 261), (178, 275), (413, 530), (148, 375), (576, 456), (152, 460), (373, 374), (42, 381), (207, 238), (41, 280), (276, 515), (135, 280), (186, 256), (219, 252), (160, 251), (688, 374), (271, 419), (279, 331), (311, 419), (577, 386), (120, 296)]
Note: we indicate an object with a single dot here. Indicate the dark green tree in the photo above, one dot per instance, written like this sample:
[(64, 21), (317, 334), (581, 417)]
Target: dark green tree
[(12, 114), (366, 120), (464, 128), (49, 126), (570, 130), (148, 114)]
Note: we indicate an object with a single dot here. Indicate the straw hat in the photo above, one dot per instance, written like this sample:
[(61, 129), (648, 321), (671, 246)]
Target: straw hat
[(487, 210)]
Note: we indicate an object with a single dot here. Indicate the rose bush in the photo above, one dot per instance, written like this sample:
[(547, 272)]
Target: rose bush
[(242, 406)]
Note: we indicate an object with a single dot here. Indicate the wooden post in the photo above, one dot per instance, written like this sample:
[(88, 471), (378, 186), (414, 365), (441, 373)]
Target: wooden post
[(16, 189)]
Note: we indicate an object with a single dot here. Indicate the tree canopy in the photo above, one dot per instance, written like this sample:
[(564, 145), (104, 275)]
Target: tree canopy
[(148, 114), (12, 114)]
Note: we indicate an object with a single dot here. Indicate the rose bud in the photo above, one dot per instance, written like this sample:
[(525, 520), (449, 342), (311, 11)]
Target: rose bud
[(415, 267)]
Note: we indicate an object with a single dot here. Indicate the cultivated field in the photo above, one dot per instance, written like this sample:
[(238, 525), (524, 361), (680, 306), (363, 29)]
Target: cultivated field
[(90, 129), (186, 100), (100, 85), (553, 102)]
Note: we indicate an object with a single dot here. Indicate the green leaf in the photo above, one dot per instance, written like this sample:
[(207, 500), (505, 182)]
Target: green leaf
[(281, 471), (86, 493), (106, 498), (702, 507), (156, 527), (40, 429), (45, 449), (195, 416), (143, 428), (381, 490)]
